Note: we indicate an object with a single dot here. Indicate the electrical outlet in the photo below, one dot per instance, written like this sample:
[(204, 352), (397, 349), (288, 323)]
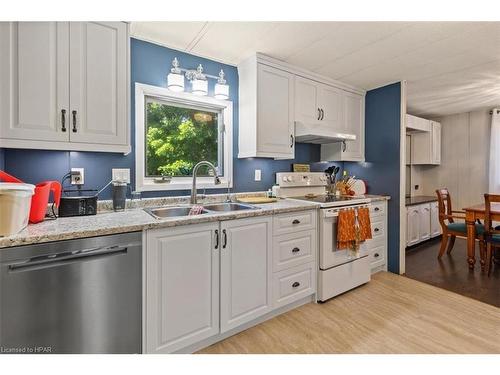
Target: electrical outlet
[(258, 175), (77, 176), (121, 174)]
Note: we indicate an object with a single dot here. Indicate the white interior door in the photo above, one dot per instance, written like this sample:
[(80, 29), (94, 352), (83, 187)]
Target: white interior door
[(98, 61), (246, 262), (34, 80), (275, 120), (182, 284)]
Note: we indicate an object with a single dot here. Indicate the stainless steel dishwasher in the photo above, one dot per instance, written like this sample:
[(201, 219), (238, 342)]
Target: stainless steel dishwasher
[(75, 296)]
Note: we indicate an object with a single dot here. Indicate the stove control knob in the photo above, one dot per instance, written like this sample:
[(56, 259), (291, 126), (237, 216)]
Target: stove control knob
[(290, 178)]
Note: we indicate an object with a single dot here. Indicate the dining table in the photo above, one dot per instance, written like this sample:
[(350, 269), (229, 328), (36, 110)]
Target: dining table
[(472, 214)]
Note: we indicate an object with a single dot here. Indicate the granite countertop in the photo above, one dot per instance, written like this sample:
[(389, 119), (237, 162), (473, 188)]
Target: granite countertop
[(136, 219), (420, 199)]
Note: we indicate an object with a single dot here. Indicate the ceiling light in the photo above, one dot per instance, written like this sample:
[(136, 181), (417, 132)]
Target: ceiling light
[(221, 90), (175, 79)]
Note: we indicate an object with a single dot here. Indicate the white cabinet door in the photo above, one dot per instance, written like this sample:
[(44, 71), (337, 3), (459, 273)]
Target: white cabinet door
[(306, 101), (354, 123), (98, 66), (425, 222), (34, 81), (331, 106), (246, 262), (436, 142), (435, 225), (182, 287), (275, 106), (412, 225)]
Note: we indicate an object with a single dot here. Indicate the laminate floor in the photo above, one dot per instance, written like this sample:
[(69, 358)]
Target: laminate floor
[(391, 314), (452, 272)]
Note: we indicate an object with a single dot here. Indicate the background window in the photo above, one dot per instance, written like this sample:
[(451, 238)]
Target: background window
[(178, 136)]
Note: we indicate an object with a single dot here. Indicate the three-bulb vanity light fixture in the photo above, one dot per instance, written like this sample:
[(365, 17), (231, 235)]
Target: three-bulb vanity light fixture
[(198, 79)]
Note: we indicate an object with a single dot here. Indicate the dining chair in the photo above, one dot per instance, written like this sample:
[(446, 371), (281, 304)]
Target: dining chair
[(452, 229), (491, 234)]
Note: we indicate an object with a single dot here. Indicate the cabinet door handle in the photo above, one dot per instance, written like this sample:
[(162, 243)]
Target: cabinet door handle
[(319, 114), (377, 209), (74, 121), (216, 238), (322, 114), (295, 284), (295, 250), (376, 229), (63, 120), (225, 238), (344, 146), (376, 255), (291, 140), (296, 221)]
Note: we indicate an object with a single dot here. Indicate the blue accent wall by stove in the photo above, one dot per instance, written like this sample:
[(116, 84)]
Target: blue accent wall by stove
[(150, 64), (382, 154)]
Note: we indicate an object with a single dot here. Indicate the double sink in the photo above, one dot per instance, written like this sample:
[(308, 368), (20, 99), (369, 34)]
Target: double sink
[(179, 211)]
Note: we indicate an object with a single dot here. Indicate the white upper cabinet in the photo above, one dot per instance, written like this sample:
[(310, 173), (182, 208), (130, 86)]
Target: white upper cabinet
[(34, 81), (426, 146), (275, 97), (353, 122), (98, 66), (266, 126), (317, 103), (64, 85)]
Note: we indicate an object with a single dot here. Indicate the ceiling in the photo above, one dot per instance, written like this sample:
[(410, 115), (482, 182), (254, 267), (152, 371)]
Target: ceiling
[(451, 67)]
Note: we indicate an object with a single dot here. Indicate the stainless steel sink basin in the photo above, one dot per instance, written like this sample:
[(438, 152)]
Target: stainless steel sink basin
[(166, 212), (228, 207)]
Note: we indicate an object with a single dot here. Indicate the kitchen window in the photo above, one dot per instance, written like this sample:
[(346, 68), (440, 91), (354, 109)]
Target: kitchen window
[(174, 131)]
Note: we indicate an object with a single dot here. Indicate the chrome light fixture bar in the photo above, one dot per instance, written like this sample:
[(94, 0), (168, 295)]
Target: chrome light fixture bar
[(198, 79)]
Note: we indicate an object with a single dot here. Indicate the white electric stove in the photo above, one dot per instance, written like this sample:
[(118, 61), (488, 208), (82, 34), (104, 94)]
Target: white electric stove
[(339, 270)]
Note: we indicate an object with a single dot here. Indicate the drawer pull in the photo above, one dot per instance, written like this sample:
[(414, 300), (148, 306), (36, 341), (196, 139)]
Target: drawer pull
[(295, 250), (376, 229), (377, 209), (296, 221), (376, 255), (295, 284)]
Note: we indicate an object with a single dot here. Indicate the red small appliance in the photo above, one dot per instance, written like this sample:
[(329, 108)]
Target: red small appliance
[(40, 199)]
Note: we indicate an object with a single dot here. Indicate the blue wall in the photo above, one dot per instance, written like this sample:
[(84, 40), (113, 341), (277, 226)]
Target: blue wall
[(382, 153), (150, 64)]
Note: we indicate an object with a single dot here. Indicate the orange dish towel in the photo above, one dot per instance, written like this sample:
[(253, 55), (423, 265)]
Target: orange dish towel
[(353, 227)]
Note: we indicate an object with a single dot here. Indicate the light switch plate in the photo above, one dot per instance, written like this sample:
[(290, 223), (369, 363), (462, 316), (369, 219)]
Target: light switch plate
[(258, 175), (77, 176), (121, 174)]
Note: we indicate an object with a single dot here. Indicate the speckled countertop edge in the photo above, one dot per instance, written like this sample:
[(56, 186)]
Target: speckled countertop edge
[(136, 219)]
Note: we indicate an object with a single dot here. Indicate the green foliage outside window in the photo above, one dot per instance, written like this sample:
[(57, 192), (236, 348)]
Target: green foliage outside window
[(177, 138)]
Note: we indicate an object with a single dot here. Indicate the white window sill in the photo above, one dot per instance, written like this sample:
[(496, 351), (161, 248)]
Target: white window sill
[(201, 183)]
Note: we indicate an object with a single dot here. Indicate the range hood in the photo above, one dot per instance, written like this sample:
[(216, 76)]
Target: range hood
[(319, 134)]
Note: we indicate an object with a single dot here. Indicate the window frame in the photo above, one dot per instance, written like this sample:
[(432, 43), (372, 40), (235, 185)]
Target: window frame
[(143, 183)]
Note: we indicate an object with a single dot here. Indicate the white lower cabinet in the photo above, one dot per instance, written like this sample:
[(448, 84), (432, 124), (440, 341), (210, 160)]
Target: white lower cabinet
[(204, 281), (182, 287), (377, 246), (246, 261), (422, 223)]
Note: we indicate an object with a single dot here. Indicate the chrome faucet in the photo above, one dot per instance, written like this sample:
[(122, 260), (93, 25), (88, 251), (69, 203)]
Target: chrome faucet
[(195, 171)]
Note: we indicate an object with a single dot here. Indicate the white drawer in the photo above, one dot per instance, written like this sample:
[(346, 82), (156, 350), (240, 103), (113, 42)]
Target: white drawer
[(377, 256), (293, 249), (378, 228), (293, 222), (378, 209), (293, 284)]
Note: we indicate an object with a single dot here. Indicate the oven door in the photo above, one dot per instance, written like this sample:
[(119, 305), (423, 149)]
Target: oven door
[(329, 255)]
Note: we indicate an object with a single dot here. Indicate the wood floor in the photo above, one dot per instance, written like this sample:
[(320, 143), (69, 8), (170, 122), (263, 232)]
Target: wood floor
[(452, 272), (391, 314)]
